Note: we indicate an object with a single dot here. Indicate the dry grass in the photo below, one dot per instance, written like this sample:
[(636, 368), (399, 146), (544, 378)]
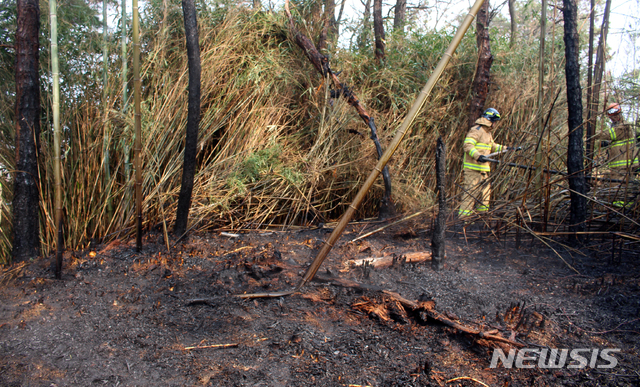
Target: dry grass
[(274, 149)]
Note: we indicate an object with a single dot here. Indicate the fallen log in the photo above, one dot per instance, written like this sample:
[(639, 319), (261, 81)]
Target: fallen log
[(390, 260)]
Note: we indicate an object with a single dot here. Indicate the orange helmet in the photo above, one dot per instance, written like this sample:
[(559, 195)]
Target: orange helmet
[(613, 109)]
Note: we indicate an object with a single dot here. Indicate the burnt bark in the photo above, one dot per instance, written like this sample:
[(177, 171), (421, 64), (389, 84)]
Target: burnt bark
[(26, 222), (378, 30), (399, 15), (575, 162), (193, 117), (480, 86), (437, 239)]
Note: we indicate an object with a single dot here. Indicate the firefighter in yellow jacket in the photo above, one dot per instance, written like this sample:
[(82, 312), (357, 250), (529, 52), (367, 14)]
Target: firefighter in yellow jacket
[(622, 158), (478, 144)]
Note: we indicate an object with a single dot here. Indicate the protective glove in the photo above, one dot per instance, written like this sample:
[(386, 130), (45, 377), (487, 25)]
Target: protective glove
[(604, 144), (482, 159), (515, 149)]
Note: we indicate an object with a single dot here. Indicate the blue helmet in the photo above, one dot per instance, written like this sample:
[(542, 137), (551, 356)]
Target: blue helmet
[(491, 114)]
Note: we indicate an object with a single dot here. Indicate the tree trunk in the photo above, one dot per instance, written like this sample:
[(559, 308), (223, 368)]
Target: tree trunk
[(437, 239), (590, 124), (193, 119), (26, 220), (328, 30), (105, 107), (480, 87), (366, 26), (339, 20), (399, 15), (514, 22), (257, 5), (55, 108), (575, 167), (125, 99), (137, 146), (594, 101), (378, 29)]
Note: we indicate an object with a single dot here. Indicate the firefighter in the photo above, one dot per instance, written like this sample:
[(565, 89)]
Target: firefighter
[(478, 143), (622, 156)]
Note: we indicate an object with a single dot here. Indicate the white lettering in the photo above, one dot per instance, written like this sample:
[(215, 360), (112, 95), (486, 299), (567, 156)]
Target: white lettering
[(594, 358), (522, 357), (507, 361), (581, 360), (553, 356), (604, 354)]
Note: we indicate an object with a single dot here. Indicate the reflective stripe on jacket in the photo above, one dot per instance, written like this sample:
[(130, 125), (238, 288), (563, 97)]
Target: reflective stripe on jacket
[(479, 142), (622, 150)]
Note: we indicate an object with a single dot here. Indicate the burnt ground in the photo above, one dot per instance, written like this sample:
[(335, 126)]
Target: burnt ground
[(121, 318)]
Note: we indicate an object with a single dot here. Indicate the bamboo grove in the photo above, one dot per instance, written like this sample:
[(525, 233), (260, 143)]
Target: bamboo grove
[(274, 148)]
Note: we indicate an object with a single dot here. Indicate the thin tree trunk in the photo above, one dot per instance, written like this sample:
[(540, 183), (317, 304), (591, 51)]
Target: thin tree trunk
[(105, 107), (438, 239), (125, 99), (592, 108), (339, 20), (590, 70), (328, 26), (378, 29), (366, 26), (514, 22), (480, 87), (26, 220), (541, 67), (55, 75), (137, 146), (193, 119), (399, 15), (575, 163)]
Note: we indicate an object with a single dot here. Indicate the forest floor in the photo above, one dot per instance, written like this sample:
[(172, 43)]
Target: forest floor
[(159, 318)]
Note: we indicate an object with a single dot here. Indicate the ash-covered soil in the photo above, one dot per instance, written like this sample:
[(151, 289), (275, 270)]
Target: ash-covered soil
[(173, 318)]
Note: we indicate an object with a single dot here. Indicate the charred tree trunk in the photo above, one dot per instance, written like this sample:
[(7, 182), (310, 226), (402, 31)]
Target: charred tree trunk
[(590, 122), (378, 30), (480, 87), (594, 101), (437, 239), (399, 15), (26, 220), (575, 167), (321, 63), (193, 118)]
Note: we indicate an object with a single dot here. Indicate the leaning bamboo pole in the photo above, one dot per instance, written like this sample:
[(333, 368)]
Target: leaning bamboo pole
[(413, 112), (137, 146), (55, 106)]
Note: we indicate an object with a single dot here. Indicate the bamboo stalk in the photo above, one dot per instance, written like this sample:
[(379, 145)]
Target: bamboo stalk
[(137, 147), (55, 73)]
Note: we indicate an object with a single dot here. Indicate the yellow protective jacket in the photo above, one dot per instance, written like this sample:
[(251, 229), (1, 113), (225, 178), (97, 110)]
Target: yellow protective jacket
[(479, 142), (622, 150)]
